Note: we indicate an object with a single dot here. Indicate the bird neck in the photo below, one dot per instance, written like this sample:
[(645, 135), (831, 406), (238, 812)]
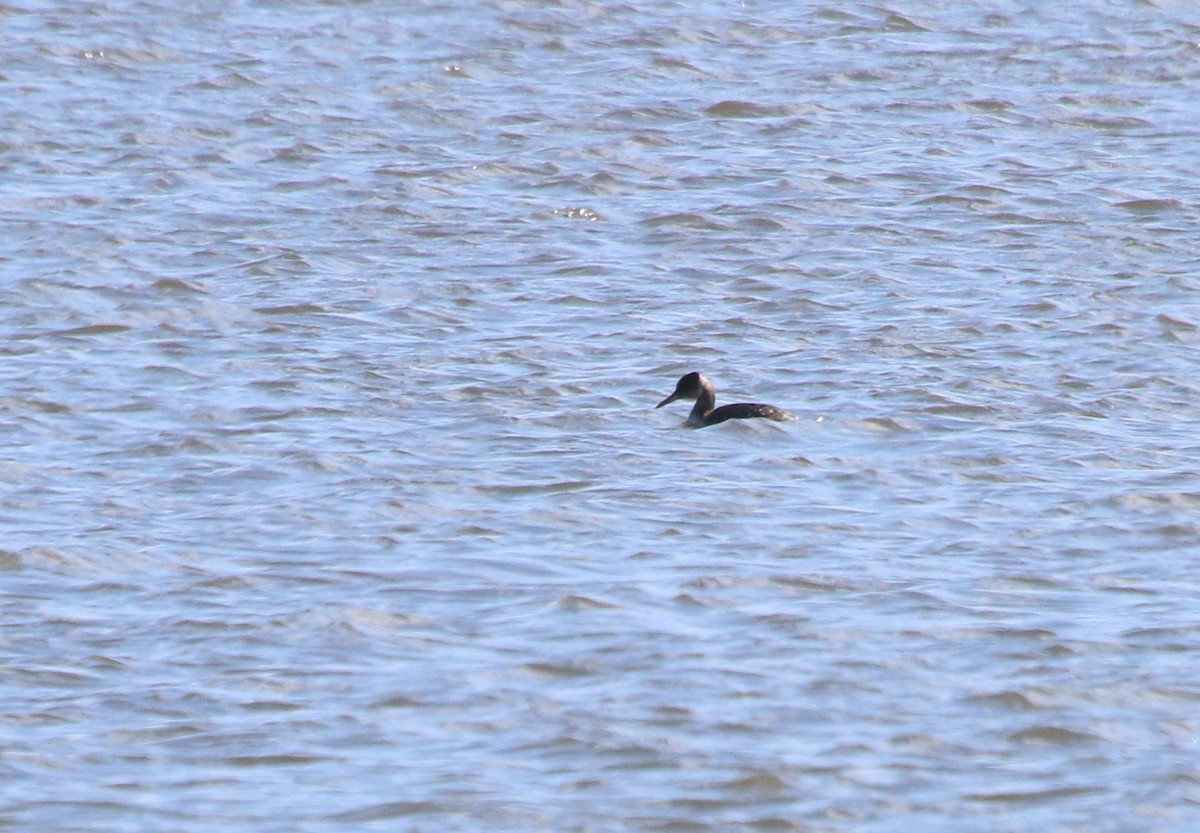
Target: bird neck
[(705, 402)]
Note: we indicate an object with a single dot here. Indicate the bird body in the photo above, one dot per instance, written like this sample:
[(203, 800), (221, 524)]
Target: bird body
[(705, 413)]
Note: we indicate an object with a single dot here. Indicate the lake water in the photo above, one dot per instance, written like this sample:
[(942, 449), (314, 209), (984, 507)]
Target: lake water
[(333, 492)]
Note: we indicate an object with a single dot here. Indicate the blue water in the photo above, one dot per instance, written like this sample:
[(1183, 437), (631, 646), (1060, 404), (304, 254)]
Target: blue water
[(332, 490)]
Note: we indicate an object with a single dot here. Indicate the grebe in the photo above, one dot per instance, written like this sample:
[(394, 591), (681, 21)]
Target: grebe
[(696, 386)]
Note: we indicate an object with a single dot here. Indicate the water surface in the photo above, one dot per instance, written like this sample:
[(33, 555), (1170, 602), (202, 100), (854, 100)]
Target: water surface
[(333, 493)]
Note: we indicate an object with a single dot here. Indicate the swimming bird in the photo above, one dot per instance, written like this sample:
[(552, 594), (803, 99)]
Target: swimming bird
[(696, 386)]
